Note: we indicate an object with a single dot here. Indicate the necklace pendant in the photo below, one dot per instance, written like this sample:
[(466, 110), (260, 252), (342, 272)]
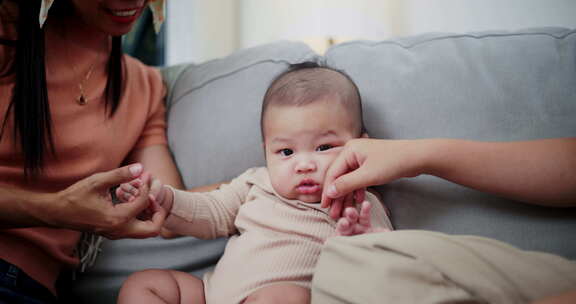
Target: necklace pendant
[(82, 100)]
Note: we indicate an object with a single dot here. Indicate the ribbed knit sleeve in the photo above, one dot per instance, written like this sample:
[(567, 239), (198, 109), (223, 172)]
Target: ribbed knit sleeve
[(208, 215)]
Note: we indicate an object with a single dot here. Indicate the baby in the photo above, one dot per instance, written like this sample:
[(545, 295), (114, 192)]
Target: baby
[(272, 215)]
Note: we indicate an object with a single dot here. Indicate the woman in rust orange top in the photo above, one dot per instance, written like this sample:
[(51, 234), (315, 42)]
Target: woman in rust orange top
[(74, 110)]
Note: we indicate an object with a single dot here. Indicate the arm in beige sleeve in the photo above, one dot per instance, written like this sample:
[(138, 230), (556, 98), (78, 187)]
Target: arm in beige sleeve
[(208, 215)]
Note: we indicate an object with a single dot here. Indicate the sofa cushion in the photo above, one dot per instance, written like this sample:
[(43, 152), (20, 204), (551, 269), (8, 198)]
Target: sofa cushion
[(491, 86)]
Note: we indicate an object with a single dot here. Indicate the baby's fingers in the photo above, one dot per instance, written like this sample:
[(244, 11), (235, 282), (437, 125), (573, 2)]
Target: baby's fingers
[(344, 227), (349, 201), (364, 219), (126, 192), (351, 214)]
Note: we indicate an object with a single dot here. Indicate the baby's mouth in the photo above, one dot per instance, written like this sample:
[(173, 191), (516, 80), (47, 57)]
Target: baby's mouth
[(308, 186)]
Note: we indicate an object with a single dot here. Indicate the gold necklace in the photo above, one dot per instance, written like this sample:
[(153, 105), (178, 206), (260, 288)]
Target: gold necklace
[(82, 99)]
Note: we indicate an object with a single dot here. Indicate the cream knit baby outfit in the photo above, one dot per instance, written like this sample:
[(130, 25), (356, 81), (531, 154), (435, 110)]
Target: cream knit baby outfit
[(272, 239)]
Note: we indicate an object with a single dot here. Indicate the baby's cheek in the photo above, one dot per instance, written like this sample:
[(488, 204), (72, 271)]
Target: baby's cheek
[(326, 162), (276, 177), (272, 172), (283, 189)]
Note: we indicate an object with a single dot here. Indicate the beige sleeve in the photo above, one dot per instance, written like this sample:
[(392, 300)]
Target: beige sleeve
[(208, 215)]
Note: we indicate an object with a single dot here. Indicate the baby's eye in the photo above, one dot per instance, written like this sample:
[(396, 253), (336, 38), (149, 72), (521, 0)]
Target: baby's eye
[(324, 147), (285, 152)]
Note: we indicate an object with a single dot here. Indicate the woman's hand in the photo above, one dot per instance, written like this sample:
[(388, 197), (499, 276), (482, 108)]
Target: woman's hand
[(368, 162), (87, 206), (539, 171)]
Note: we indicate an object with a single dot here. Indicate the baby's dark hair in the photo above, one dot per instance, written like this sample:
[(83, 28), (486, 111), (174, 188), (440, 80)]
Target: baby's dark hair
[(307, 82)]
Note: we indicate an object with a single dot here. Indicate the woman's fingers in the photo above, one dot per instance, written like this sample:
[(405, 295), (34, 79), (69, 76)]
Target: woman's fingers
[(360, 195), (109, 179), (138, 228), (341, 165), (350, 182), (336, 208)]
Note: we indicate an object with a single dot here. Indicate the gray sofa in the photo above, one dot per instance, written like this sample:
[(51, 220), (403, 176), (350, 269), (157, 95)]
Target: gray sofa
[(492, 86)]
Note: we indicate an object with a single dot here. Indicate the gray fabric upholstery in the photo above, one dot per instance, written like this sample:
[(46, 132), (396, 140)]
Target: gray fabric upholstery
[(484, 86)]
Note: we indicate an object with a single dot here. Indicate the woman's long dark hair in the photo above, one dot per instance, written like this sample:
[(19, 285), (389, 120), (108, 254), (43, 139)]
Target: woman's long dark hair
[(30, 105)]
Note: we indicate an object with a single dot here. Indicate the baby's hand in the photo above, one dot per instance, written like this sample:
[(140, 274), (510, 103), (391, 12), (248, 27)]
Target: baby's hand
[(354, 223), (127, 192)]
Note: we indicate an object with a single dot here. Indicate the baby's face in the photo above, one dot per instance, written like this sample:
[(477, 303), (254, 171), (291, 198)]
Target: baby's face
[(301, 143)]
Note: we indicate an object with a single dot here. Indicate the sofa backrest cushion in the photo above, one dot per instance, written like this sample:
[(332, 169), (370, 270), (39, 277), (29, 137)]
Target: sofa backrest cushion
[(490, 86)]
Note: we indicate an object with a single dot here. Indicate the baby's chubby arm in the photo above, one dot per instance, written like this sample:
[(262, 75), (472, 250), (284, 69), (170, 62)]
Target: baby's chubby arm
[(204, 215)]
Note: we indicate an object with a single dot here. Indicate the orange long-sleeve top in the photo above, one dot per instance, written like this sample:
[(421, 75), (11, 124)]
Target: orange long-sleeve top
[(86, 141)]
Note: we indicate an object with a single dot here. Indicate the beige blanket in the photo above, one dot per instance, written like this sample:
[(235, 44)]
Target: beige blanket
[(411, 266)]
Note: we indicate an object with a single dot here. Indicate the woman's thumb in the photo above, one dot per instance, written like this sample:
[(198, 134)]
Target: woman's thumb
[(119, 175)]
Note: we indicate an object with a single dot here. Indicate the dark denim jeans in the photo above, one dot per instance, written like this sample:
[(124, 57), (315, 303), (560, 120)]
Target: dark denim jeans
[(16, 287)]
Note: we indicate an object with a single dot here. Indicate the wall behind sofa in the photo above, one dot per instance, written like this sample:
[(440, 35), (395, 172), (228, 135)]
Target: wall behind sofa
[(463, 16), (199, 30)]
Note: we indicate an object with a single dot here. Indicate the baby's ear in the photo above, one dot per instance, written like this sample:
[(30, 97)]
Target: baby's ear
[(365, 135)]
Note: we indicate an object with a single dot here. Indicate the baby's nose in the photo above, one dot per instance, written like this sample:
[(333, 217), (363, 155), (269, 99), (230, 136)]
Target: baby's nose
[(305, 166)]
